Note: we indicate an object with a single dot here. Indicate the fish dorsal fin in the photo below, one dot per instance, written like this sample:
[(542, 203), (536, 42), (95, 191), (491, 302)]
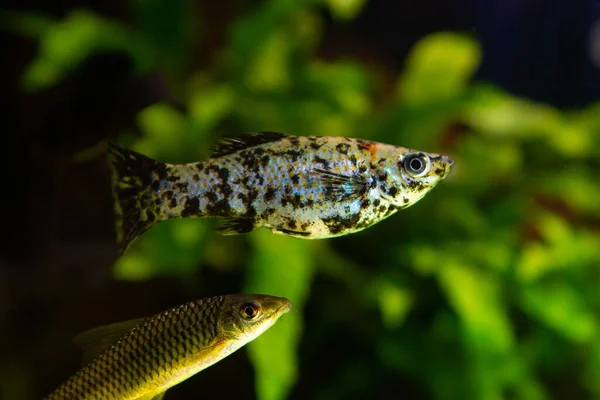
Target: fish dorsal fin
[(231, 144), (153, 396), (97, 340)]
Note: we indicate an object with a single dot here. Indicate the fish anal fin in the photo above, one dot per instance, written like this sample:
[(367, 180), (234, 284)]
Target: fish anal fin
[(289, 232), (230, 144), (97, 340), (340, 187), (236, 226)]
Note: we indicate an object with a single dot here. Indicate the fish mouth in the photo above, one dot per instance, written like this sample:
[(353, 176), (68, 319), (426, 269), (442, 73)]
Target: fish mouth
[(284, 307)]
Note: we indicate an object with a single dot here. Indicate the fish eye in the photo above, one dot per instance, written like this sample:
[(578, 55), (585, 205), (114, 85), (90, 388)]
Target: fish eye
[(417, 164), (249, 310)]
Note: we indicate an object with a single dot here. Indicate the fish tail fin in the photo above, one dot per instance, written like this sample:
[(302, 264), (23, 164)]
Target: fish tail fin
[(136, 207)]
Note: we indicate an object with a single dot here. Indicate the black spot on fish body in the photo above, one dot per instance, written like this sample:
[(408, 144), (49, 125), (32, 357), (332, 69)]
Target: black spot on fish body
[(181, 186), (211, 196), (288, 189), (252, 195), (270, 194), (191, 207), (373, 184), (382, 209), (173, 203), (294, 154), (161, 171), (292, 223), (342, 148), (405, 200), (390, 210), (338, 225), (416, 186), (362, 145), (377, 202), (251, 213), (362, 169), (365, 203), (219, 208), (295, 179), (199, 167), (319, 160), (264, 161), (392, 191), (314, 145), (150, 216), (225, 190), (258, 152), (223, 174), (155, 186), (248, 162), (383, 177), (196, 177), (295, 201), (439, 171), (294, 141)]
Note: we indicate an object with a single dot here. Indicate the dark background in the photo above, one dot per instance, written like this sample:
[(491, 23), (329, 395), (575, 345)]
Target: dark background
[(57, 217)]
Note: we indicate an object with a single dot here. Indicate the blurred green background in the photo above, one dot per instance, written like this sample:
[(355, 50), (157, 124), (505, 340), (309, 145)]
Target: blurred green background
[(489, 288)]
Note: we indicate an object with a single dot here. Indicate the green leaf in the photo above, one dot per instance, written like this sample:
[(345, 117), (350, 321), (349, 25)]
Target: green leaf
[(395, 301), (346, 9), (269, 69), (560, 307), (281, 266), (170, 248), (438, 68), (475, 296), (65, 44), (164, 128)]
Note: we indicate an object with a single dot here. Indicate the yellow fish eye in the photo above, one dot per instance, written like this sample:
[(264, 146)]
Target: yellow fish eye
[(417, 164), (249, 310)]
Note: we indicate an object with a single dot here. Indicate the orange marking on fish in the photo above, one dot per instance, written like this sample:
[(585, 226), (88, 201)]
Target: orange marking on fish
[(372, 148)]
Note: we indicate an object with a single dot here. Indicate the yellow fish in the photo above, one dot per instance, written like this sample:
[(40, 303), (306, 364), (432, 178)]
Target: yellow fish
[(141, 359)]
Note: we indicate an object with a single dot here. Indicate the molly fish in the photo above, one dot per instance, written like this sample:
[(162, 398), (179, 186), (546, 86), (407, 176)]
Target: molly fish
[(141, 359), (304, 186)]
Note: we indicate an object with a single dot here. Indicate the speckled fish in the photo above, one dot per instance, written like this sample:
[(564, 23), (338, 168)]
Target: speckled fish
[(141, 359), (307, 187)]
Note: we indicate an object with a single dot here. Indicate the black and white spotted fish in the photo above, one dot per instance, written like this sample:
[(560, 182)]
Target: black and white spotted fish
[(307, 187)]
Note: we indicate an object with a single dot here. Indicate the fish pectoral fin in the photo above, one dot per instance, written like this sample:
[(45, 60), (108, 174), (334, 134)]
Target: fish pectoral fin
[(230, 144), (97, 340), (340, 187), (153, 396), (236, 226)]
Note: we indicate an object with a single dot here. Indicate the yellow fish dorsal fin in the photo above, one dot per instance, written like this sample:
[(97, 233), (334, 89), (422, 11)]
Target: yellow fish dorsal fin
[(97, 340), (152, 396)]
